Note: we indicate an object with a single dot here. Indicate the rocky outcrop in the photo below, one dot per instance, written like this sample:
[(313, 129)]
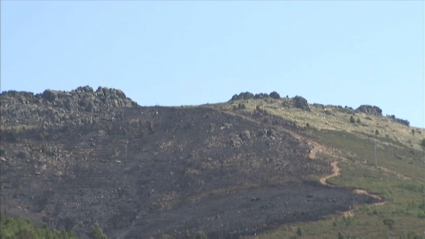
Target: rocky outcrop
[(249, 95), (56, 107), (301, 103), (398, 120), (370, 110), (274, 95)]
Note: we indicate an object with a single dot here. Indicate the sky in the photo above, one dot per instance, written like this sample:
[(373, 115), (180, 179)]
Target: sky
[(173, 53)]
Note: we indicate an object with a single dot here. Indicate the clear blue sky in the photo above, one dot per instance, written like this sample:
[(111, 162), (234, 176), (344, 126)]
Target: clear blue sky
[(194, 52)]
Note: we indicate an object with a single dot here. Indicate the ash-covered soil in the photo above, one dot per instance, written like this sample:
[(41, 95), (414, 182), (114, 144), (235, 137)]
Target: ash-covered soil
[(247, 212), (71, 159)]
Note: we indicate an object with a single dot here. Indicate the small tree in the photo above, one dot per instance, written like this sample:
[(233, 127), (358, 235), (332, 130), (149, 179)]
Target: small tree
[(200, 235), (352, 120), (358, 121), (423, 142), (389, 223), (299, 231), (258, 108), (97, 233), (241, 106)]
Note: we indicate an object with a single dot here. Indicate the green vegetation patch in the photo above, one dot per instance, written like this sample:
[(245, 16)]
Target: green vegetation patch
[(18, 228)]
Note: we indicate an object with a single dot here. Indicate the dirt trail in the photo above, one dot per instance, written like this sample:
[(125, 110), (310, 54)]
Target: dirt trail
[(389, 171), (335, 172), (317, 147)]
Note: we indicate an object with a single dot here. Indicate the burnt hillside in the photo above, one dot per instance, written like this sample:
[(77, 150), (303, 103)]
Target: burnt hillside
[(71, 159)]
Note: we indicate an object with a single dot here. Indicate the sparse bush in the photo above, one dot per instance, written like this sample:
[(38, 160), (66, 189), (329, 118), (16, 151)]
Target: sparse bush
[(358, 121), (348, 221), (241, 106), (200, 235), (352, 120), (307, 125), (299, 231), (258, 108), (412, 235), (423, 142), (413, 132), (377, 132), (389, 223), (97, 233), (19, 228), (340, 236)]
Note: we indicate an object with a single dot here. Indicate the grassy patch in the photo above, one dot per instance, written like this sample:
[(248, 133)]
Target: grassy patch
[(18, 228), (403, 214)]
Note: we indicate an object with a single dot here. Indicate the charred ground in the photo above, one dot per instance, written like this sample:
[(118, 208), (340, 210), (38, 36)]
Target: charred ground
[(70, 159)]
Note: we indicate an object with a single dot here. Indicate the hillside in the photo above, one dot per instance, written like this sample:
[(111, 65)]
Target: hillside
[(256, 165)]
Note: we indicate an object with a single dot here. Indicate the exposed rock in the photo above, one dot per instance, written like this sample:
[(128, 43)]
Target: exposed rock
[(23, 155), (243, 96), (301, 103), (370, 110), (50, 95), (261, 96), (274, 95), (245, 135), (400, 121), (248, 95), (59, 107)]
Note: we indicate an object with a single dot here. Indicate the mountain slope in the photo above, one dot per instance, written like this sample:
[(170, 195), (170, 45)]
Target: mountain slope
[(71, 159)]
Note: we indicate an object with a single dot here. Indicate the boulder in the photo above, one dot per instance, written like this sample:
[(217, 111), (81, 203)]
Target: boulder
[(300, 103), (50, 95), (370, 110), (274, 95)]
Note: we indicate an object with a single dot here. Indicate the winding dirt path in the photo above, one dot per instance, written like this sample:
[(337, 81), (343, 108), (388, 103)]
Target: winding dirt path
[(335, 172), (317, 147)]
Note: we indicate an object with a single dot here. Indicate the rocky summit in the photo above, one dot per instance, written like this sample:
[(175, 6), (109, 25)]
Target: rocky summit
[(72, 159)]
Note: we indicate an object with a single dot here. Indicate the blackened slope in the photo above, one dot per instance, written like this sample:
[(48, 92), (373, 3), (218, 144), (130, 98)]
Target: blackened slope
[(74, 175)]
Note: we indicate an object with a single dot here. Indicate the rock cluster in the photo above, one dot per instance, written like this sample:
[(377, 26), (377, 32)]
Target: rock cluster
[(370, 110), (55, 106), (301, 103), (249, 95), (400, 121)]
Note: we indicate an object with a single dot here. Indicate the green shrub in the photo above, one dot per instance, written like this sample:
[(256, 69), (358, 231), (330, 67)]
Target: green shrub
[(389, 223), (358, 121), (200, 235), (18, 228), (97, 233), (352, 120), (299, 231), (423, 142)]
